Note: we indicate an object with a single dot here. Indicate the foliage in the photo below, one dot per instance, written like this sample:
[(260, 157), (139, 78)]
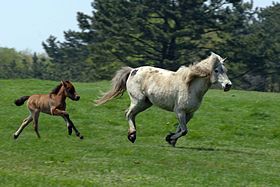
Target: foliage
[(219, 150), (255, 51), (166, 34)]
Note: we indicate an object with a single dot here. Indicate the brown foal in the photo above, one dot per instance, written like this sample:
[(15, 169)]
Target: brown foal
[(52, 103)]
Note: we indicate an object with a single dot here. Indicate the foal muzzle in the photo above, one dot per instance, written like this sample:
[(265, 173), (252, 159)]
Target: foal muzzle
[(77, 98)]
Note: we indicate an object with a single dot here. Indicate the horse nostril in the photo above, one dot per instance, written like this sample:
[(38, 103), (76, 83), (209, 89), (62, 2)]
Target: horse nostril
[(227, 87)]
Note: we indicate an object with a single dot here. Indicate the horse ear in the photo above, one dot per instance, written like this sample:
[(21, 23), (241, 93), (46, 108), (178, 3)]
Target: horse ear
[(63, 83), (212, 53)]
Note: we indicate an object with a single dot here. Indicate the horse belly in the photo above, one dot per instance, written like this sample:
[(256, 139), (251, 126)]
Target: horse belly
[(155, 84), (161, 99), (39, 102)]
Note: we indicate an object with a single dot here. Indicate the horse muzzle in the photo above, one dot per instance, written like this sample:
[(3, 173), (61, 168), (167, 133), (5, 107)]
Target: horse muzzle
[(77, 98), (74, 97), (227, 87)]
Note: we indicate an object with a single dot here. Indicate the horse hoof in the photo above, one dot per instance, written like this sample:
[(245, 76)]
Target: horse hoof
[(171, 141), (81, 137), (15, 136), (132, 137), (168, 137)]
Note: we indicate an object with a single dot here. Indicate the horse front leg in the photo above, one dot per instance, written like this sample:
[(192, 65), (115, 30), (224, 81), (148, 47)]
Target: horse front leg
[(71, 125), (182, 128)]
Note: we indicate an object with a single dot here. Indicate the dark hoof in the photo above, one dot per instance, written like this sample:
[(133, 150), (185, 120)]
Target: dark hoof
[(81, 137), (15, 136), (132, 137), (78, 134), (69, 130), (170, 140), (168, 137)]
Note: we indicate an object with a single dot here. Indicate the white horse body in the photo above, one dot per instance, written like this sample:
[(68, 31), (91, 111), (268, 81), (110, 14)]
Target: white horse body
[(181, 91), (166, 89)]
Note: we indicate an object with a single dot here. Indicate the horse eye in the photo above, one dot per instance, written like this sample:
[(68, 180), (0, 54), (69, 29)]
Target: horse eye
[(216, 71), (71, 90)]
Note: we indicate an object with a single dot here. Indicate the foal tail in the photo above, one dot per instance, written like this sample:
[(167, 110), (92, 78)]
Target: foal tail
[(21, 100), (118, 85)]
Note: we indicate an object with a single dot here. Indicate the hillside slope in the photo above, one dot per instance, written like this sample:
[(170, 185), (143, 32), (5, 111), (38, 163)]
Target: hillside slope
[(233, 140)]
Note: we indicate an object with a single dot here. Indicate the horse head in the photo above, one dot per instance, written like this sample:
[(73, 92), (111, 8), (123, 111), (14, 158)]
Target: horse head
[(219, 72), (70, 90)]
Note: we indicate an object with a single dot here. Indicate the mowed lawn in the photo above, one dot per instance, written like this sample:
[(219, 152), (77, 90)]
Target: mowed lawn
[(233, 140)]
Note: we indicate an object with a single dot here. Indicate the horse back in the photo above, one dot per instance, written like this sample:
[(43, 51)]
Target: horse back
[(39, 102), (158, 85)]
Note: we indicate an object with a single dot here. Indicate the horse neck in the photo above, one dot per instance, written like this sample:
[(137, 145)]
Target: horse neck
[(200, 86)]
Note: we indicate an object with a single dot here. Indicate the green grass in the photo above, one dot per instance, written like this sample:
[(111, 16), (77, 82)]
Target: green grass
[(233, 140)]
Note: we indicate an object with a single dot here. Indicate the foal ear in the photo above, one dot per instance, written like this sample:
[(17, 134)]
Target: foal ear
[(63, 83)]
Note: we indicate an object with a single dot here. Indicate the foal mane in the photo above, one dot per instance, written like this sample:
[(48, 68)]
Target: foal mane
[(56, 89)]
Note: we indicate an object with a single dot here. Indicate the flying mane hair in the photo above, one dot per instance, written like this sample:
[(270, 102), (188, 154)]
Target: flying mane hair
[(56, 89), (199, 69)]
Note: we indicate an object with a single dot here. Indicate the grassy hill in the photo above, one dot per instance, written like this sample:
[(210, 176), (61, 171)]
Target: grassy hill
[(233, 140)]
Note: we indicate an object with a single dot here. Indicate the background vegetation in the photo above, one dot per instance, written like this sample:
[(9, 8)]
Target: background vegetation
[(165, 34), (233, 141)]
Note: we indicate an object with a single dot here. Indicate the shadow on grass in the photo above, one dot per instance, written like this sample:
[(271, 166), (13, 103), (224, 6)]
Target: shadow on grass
[(210, 149)]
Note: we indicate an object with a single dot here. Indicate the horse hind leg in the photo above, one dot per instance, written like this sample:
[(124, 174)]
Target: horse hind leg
[(133, 110), (25, 122), (36, 124)]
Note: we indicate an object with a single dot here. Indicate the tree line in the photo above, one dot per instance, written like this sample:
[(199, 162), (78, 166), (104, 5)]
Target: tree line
[(161, 33)]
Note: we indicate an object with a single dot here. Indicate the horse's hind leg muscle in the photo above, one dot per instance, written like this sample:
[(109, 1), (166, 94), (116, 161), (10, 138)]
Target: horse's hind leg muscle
[(135, 108), (25, 122), (36, 120)]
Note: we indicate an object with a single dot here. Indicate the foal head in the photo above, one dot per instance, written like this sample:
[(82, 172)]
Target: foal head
[(219, 72), (69, 90)]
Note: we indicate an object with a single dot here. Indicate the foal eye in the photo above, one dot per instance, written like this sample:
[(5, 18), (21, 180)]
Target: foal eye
[(71, 90)]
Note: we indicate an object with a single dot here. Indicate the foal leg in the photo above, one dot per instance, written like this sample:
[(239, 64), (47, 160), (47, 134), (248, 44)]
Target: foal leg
[(25, 122), (71, 125), (133, 110), (36, 119), (182, 128)]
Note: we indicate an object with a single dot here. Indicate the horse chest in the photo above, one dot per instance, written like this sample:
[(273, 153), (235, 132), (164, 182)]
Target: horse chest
[(187, 102)]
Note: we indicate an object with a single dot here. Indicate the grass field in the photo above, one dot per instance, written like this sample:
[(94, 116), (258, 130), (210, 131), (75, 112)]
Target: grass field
[(233, 140)]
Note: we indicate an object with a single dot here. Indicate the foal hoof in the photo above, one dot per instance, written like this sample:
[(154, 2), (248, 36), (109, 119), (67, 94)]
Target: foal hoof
[(132, 137), (15, 136)]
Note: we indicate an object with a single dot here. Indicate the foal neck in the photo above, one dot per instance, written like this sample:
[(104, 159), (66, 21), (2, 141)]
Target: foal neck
[(61, 93)]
